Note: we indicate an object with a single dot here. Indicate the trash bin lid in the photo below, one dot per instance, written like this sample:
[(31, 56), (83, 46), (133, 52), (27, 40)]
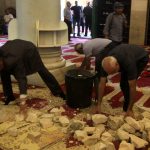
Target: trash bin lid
[(79, 74)]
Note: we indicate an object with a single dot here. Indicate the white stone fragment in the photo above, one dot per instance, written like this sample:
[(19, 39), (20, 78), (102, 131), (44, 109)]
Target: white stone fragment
[(57, 111), (132, 122), (19, 117), (46, 123), (47, 116), (142, 125), (99, 130), (123, 135), (110, 146), (34, 135), (98, 146), (126, 127), (5, 116), (146, 114), (113, 134), (145, 135), (13, 131), (64, 130), (88, 117), (62, 109), (106, 137), (76, 125), (64, 121), (126, 146), (89, 130), (138, 142), (147, 125), (90, 140), (115, 122), (99, 118), (32, 117), (80, 135), (56, 119)]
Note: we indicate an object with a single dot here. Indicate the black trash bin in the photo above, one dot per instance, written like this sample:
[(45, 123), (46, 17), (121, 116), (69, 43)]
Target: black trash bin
[(79, 85)]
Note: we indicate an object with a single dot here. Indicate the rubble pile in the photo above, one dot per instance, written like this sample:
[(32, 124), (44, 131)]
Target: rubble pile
[(51, 126)]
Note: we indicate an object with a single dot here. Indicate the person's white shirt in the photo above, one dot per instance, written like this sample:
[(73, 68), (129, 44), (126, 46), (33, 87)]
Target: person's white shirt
[(94, 46)]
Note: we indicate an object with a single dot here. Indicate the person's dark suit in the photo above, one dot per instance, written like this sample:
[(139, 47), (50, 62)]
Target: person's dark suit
[(21, 58)]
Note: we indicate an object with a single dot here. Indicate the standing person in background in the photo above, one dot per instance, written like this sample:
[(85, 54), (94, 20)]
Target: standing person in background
[(76, 17), (82, 20), (115, 22), (68, 18), (7, 18), (88, 17)]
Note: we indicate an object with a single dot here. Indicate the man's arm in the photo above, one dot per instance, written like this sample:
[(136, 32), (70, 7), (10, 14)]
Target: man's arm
[(101, 90), (86, 63)]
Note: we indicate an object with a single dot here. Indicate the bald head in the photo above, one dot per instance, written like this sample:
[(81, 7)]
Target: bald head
[(79, 48), (110, 64)]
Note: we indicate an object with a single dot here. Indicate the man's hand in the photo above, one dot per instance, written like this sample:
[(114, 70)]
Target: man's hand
[(96, 108), (129, 113), (9, 99)]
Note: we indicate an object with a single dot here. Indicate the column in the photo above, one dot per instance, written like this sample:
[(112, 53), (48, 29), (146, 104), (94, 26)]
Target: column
[(138, 21), (39, 21)]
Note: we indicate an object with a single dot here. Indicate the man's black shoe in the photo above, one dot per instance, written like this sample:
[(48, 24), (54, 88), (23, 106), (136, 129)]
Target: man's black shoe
[(63, 96), (9, 99)]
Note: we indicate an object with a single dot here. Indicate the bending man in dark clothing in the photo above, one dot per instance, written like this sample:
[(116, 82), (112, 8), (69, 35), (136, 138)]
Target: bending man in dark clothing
[(130, 60), (21, 58)]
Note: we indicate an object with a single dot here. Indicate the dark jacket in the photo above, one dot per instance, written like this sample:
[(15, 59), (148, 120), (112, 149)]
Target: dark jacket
[(20, 58)]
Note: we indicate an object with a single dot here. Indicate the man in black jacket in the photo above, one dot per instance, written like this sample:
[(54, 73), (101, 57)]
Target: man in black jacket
[(130, 61), (21, 58)]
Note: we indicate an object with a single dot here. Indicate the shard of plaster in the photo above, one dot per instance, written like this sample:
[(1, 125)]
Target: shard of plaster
[(123, 135), (106, 137), (89, 130), (98, 146), (90, 140), (126, 127), (19, 117), (99, 118), (46, 123), (126, 146), (114, 122), (138, 142), (64, 121), (80, 135), (132, 122), (13, 131)]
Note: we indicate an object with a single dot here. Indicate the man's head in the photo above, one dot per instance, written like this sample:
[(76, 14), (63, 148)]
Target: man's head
[(110, 65), (88, 3), (76, 3), (79, 48), (118, 7), (68, 4)]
